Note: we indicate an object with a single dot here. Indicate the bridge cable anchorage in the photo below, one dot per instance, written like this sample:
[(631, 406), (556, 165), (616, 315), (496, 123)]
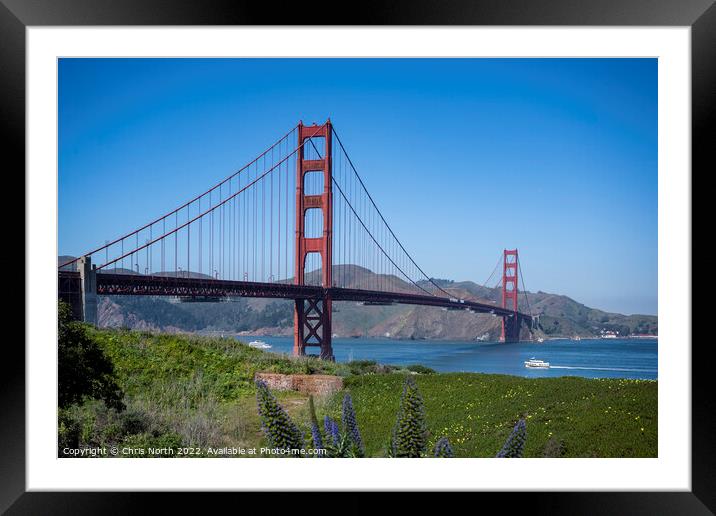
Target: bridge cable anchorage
[(382, 218), (185, 205), (210, 210), (370, 234)]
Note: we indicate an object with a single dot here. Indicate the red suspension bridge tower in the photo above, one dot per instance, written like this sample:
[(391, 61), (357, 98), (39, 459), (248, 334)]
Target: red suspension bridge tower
[(511, 324), (312, 316)]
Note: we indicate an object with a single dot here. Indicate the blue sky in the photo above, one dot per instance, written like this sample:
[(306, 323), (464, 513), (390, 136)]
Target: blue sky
[(465, 157)]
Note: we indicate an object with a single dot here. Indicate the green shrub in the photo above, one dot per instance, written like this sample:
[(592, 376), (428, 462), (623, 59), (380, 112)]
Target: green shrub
[(151, 444), (554, 448), (421, 369), (83, 369)]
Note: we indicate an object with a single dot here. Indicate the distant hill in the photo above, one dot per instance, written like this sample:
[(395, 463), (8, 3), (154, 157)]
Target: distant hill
[(559, 315)]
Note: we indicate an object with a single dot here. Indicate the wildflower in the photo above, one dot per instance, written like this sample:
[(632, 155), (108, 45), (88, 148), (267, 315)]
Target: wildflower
[(410, 432), (332, 431), (316, 436), (350, 425), (515, 444), (315, 431), (443, 448), (280, 431)]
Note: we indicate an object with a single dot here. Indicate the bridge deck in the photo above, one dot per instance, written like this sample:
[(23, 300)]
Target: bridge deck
[(148, 285)]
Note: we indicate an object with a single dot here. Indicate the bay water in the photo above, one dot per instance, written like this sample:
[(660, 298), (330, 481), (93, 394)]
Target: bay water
[(590, 358)]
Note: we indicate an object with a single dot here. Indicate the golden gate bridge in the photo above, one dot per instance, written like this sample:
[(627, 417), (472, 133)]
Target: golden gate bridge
[(293, 223)]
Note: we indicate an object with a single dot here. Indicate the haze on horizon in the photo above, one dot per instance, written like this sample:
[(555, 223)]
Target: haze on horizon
[(465, 157)]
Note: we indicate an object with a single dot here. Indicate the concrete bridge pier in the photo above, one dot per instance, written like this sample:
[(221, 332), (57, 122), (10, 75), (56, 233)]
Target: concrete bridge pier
[(511, 326), (88, 289), (312, 327)]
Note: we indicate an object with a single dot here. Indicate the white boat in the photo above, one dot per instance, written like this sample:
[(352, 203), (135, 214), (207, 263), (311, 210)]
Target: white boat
[(533, 362), (259, 344)]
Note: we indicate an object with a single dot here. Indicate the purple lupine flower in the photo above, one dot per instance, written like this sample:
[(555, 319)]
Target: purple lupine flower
[(316, 435), (332, 430), (515, 444), (443, 448), (280, 430), (350, 425)]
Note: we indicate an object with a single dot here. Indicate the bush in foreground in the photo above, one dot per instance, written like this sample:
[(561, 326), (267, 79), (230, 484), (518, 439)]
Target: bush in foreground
[(83, 369)]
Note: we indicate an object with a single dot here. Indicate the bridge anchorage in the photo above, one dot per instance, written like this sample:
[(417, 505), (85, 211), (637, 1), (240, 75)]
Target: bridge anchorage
[(298, 223)]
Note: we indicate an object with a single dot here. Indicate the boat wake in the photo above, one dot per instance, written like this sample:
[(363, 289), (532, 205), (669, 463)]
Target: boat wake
[(605, 369)]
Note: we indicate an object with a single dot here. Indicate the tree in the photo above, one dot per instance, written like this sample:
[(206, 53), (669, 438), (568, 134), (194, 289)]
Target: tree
[(84, 371)]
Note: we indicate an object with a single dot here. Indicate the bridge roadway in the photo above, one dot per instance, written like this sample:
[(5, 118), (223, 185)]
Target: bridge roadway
[(110, 284)]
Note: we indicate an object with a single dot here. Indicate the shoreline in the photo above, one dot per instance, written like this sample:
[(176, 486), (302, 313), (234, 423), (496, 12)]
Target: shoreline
[(214, 333)]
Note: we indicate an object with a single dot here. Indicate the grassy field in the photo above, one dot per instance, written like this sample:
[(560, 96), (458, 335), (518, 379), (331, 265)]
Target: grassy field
[(571, 417), (198, 391)]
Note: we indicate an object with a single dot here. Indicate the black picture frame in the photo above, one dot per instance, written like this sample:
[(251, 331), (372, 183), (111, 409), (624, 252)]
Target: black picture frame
[(700, 15)]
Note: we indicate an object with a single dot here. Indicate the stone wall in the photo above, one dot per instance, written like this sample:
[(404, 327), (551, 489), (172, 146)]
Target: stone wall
[(305, 383)]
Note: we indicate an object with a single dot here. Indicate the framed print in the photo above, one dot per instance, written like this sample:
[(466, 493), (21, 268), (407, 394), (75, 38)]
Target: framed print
[(455, 235)]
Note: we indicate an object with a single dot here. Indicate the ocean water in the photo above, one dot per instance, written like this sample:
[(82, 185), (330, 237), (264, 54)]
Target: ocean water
[(593, 358)]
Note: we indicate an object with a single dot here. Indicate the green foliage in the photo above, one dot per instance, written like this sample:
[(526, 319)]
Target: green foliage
[(146, 361), (410, 431), (84, 371), (312, 410), (360, 367), (420, 369), (316, 436), (554, 448), (281, 432), (200, 391), (94, 424), (148, 442), (476, 412), (345, 448)]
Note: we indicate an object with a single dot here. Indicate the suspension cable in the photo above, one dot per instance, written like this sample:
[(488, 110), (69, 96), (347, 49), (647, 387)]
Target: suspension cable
[(355, 171), (218, 185), (524, 287), (210, 210), (497, 265)]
